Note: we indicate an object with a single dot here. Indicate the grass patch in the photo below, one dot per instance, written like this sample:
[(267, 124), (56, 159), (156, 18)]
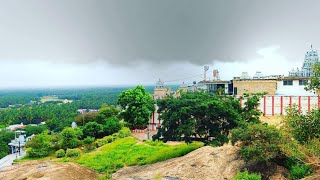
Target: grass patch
[(127, 152)]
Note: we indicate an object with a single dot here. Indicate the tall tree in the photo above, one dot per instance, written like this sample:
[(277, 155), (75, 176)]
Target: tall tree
[(137, 106)]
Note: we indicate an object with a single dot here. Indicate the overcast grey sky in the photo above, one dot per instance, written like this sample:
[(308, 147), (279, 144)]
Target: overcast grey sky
[(80, 42)]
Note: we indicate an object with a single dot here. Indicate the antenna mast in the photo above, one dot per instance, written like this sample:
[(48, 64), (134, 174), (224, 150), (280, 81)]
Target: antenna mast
[(205, 68)]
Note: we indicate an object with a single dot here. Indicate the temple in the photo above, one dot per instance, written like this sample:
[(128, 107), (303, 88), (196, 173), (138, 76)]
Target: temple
[(310, 59)]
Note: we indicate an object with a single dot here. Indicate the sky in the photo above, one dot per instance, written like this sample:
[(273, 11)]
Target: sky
[(51, 43)]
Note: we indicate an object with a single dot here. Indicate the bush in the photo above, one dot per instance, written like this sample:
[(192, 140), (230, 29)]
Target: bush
[(69, 138), (300, 171), (247, 176), (39, 146), (88, 143), (73, 153), (124, 132), (112, 125), (260, 142), (93, 129), (303, 127), (60, 153)]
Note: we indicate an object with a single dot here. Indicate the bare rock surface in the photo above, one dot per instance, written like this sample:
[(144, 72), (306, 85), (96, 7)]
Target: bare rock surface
[(47, 170), (206, 163)]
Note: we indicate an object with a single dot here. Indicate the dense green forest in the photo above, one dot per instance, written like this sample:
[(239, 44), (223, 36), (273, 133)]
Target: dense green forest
[(56, 114)]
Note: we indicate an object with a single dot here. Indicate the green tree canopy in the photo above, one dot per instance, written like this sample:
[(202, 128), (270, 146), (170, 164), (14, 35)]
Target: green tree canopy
[(69, 138), (137, 106), (92, 129)]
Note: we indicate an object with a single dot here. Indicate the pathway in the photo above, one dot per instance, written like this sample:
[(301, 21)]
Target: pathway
[(8, 160)]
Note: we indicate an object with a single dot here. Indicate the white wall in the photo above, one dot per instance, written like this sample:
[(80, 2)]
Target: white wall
[(294, 90)]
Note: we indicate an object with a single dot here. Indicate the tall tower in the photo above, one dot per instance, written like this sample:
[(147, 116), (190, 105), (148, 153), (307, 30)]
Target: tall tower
[(205, 68)]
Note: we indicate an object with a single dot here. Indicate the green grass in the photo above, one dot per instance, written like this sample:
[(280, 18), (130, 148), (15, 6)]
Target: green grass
[(128, 152)]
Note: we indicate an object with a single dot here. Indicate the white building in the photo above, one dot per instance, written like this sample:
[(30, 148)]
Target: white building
[(293, 86)]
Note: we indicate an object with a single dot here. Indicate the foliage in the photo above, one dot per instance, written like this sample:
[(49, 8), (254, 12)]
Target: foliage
[(137, 106), (126, 151), (112, 125), (247, 176), (39, 146), (303, 127), (250, 113), (69, 138), (4, 149), (197, 115), (88, 142), (73, 153), (34, 129), (108, 111), (5, 138), (259, 142), (314, 80), (297, 169), (124, 132), (84, 118), (60, 153), (92, 129), (300, 171)]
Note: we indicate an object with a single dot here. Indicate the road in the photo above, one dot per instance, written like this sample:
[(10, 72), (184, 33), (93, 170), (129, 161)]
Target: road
[(8, 160)]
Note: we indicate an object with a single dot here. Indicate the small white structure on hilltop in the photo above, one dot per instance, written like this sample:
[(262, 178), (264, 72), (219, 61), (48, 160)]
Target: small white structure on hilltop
[(73, 124), (245, 75), (19, 141), (310, 59), (258, 75)]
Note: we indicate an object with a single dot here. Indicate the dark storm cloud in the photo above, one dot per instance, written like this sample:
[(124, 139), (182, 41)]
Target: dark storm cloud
[(125, 32)]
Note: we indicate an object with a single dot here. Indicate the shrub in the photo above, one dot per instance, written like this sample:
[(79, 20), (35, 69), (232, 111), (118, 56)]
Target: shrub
[(104, 140), (124, 132), (69, 138), (303, 127), (300, 171), (112, 125), (260, 142), (92, 129), (39, 146), (88, 141), (60, 153), (73, 153), (247, 176)]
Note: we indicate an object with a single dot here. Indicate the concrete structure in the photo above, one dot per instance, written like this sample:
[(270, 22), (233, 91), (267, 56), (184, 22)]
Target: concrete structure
[(294, 86), (241, 86), (277, 105), (310, 59), (19, 141), (220, 87), (16, 126), (160, 89)]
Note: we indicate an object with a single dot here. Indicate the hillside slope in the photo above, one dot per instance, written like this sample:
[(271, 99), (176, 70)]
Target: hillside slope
[(204, 163), (46, 170)]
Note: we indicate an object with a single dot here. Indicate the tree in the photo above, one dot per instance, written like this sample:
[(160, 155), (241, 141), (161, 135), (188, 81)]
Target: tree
[(4, 149), (34, 130), (82, 119), (92, 129), (39, 146), (198, 115), (137, 106), (69, 138), (112, 125), (314, 84), (108, 111)]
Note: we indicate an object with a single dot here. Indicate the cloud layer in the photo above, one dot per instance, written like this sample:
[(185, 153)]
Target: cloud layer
[(127, 32)]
